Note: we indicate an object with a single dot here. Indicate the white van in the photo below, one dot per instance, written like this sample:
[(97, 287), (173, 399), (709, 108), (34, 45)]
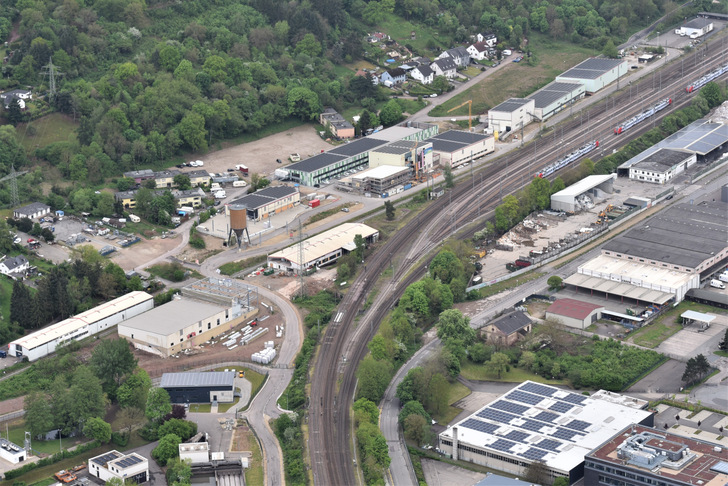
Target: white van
[(215, 186), (240, 183), (220, 195), (717, 284), (507, 52), (723, 277)]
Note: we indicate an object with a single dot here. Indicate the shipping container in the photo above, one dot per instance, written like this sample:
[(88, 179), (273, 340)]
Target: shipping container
[(407, 186), (315, 203)]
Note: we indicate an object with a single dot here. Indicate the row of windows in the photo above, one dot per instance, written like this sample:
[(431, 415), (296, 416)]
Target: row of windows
[(622, 473), (490, 455)]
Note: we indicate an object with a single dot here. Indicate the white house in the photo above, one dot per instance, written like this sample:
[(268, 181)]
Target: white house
[(478, 51), (17, 264), (32, 211), (459, 55), (114, 464), (662, 166), (490, 39), (423, 74), (444, 67), (17, 94)]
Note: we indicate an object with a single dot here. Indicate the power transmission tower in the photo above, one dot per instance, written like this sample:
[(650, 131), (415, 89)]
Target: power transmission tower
[(14, 200), (300, 256), (51, 72)]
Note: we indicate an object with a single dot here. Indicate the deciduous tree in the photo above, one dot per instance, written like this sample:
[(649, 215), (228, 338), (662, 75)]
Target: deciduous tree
[(95, 428), (498, 364), (133, 392), (111, 360), (453, 325), (38, 413), (158, 404), (373, 377), (167, 449)]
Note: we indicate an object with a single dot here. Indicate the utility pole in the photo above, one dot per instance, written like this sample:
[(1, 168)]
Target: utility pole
[(51, 71)]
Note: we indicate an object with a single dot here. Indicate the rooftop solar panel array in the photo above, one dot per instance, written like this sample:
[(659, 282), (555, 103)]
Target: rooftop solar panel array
[(102, 460), (502, 445), (532, 425), (523, 397), (561, 407), (549, 445), (480, 426), (496, 415), (129, 461), (509, 407), (546, 417), (577, 425), (533, 454), (574, 398), (545, 391), (517, 435), (565, 434)]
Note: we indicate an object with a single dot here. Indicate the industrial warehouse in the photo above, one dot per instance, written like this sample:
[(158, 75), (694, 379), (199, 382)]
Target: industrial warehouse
[(416, 155), (322, 249), (45, 341), (268, 202), (206, 309), (662, 166), (535, 422), (594, 186), (456, 147), (512, 114), (554, 97), (200, 387), (351, 156), (378, 180), (659, 262), (595, 73)]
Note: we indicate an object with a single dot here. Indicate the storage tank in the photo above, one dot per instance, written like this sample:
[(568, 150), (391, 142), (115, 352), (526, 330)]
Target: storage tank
[(238, 222)]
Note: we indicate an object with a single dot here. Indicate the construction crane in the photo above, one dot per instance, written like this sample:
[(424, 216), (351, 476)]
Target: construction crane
[(470, 115)]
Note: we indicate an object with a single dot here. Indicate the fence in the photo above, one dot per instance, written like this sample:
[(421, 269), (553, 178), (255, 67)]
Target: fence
[(12, 415), (206, 365)]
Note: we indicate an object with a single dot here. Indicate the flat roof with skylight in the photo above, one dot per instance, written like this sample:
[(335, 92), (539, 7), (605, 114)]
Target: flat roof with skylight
[(591, 68), (536, 422)]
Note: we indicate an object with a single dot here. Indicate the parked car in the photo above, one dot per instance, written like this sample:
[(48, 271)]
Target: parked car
[(279, 161)]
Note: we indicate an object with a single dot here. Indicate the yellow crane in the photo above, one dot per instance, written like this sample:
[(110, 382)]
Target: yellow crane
[(470, 115)]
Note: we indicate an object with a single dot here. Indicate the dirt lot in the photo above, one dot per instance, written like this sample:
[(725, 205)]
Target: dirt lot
[(260, 156), (140, 253)]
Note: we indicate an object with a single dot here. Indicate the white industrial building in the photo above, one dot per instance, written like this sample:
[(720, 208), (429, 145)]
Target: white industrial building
[(115, 464), (322, 249), (383, 180), (697, 27), (595, 73), (512, 114), (12, 453), (195, 452), (662, 166), (659, 261), (32, 211), (207, 308), (593, 186), (554, 97), (405, 153), (457, 147), (535, 422), (45, 341)]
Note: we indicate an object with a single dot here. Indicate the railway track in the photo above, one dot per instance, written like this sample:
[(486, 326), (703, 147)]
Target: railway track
[(343, 345)]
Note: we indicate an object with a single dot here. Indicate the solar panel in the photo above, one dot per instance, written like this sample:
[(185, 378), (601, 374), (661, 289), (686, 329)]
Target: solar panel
[(561, 407), (502, 445), (574, 398), (533, 454), (545, 391), (479, 426), (523, 397), (495, 415), (509, 407), (565, 434), (546, 416), (577, 425), (532, 425), (517, 435), (549, 445)]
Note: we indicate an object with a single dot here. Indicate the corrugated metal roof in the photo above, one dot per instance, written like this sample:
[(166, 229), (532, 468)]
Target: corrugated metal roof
[(197, 379), (78, 321), (173, 316), (324, 243), (576, 309)]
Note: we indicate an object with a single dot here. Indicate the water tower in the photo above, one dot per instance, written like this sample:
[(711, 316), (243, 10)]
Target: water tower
[(238, 222)]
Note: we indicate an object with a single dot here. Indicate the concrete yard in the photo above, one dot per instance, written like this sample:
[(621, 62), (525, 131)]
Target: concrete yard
[(442, 474)]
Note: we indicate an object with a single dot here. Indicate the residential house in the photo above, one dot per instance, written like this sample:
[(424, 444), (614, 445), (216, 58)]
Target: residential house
[(165, 178), (507, 329), (32, 211), (423, 74), (459, 55), (14, 265), (489, 38), (394, 76), (17, 94), (126, 198), (140, 175), (444, 67), (377, 37), (419, 61), (199, 177), (189, 197), (337, 124), (478, 51)]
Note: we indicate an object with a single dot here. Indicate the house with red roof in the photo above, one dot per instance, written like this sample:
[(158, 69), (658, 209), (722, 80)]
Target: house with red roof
[(574, 313)]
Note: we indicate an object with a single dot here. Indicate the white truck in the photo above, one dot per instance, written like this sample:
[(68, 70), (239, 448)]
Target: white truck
[(215, 186), (220, 195), (717, 284), (239, 183)]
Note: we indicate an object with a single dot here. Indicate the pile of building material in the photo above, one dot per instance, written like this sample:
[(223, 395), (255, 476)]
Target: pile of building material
[(252, 335), (266, 356)]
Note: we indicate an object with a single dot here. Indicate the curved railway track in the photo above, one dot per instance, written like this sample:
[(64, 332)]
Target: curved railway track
[(343, 345)]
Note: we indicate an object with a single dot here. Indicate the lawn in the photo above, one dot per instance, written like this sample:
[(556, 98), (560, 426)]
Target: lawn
[(254, 474), (472, 371), (200, 407), (256, 383), (518, 80), (224, 407), (663, 327), (456, 391), (6, 290), (17, 436), (721, 353), (48, 129), (400, 30), (174, 272), (234, 267)]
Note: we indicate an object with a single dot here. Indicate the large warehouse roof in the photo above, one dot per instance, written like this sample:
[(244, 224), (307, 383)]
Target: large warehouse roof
[(663, 159), (684, 235), (511, 105), (173, 316), (381, 172), (701, 136), (536, 422), (552, 92), (194, 379), (611, 287), (454, 140), (321, 245), (78, 321), (591, 68), (264, 196), (583, 185), (316, 162)]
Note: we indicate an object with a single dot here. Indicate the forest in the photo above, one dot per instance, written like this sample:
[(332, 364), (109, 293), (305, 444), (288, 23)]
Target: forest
[(149, 81)]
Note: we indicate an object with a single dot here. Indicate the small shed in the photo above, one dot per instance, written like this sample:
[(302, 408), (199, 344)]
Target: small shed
[(507, 329), (574, 313)]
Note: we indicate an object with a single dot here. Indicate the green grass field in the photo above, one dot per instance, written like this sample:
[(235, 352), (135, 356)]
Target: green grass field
[(48, 129), (254, 474), (200, 407), (472, 371), (456, 391), (518, 80), (663, 327), (400, 30)]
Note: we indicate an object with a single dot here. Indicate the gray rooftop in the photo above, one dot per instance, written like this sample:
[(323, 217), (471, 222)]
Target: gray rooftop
[(591, 68), (670, 236), (316, 162), (552, 92), (706, 294), (358, 146), (196, 379), (139, 173), (460, 136), (445, 145), (172, 317), (663, 159), (264, 196), (511, 105), (702, 137), (424, 70), (511, 322), (698, 23), (197, 173), (33, 208), (445, 64), (14, 262)]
